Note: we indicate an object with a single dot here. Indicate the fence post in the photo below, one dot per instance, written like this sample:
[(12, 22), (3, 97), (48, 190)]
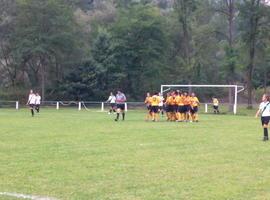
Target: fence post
[(80, 106), (17, 105), (206, 108), (57, 105), (102, 106), (126, 107)]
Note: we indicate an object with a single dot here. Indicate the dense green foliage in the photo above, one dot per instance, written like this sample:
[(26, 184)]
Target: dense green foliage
[(80, 49), (68, 154)]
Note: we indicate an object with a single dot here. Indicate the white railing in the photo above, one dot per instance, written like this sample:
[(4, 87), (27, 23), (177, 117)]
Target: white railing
[(97, 105), (9, 104)]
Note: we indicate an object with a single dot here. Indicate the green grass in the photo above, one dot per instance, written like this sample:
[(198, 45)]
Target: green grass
[(69, 154)]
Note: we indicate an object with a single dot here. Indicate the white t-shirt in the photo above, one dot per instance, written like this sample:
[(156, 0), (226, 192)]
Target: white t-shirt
[(111, 99), (38, 99), (265, 112), (32, 99)]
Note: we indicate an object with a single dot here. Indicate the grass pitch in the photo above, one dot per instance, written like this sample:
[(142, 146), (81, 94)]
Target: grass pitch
[(83, 155)]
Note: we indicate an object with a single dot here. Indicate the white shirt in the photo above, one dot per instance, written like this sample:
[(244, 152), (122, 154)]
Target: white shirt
[(38, 99), (265, 112), (32, 99), (111, 99)]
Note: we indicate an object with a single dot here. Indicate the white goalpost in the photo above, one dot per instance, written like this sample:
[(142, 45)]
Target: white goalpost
[(237, 89)]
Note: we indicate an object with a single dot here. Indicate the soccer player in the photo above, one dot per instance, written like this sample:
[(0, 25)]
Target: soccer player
[(170, 106), (37, 102), (187, 107), (111, 100), (264, 110), (120, 105), (215, 105), (174, 106), (148, 101), (180, 107), (167, 107), (161, 104), (155, 106), (31, 102), (194, 107)]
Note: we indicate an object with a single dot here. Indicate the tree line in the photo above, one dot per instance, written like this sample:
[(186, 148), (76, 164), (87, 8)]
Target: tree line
[(83, 49)]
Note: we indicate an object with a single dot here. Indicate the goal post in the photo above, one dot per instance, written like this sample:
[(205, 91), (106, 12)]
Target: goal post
[(237, 89)]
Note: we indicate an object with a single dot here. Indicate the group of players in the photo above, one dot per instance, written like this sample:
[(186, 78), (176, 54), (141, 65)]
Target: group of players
[(34, 100), (180, 107)]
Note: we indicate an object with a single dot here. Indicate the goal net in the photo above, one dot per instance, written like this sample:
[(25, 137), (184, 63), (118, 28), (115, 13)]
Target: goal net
[(227, 94)]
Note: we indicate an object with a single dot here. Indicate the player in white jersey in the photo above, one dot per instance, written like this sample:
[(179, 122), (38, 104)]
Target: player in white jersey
[(161, 104), (37, 102), (31, 101), (120, 105), (112, 100), (264, 110)]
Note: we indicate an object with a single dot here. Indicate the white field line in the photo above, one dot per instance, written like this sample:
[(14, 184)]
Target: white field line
[(24, 196)]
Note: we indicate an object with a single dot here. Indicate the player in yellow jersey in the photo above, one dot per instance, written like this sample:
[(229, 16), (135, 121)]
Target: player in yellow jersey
[(174, 106), (194, 102), (148, 101), (215, 105), (187, 107), (180, 107), (155, 107)]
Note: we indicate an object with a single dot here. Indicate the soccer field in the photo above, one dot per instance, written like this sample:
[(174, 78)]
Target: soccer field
[(68, 154)]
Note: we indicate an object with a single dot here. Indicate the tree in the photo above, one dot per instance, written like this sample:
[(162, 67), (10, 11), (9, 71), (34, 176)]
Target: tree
[(185, 10), (252, 15), (227, 8), (45, 31), (141, 45)]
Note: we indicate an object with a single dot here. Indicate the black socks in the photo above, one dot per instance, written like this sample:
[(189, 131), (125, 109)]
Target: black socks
[(117, 116), (265, 131), (32, 112)]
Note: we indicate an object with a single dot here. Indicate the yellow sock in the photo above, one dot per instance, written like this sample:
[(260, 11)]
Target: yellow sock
[(157, 116)]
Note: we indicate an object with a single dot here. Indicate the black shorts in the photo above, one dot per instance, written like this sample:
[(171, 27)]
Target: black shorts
[(265, 120), (187, 108), (166, 108), (215, 107), (31, 106), (169, 108), (37, 105), (181, 109), (120, 106), (112, 105), (154, 109), (149, 107), (194, 109), (175, 108)]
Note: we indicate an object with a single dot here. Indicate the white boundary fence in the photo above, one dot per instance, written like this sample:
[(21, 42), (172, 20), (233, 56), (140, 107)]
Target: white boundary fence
[(91, 105), (9, 104)]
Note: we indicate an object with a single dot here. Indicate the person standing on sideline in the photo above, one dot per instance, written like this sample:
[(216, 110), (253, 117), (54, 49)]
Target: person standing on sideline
[(215, 105), (120, 105), (37, 102), (111, 100), (31, 102), (264, 110)]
